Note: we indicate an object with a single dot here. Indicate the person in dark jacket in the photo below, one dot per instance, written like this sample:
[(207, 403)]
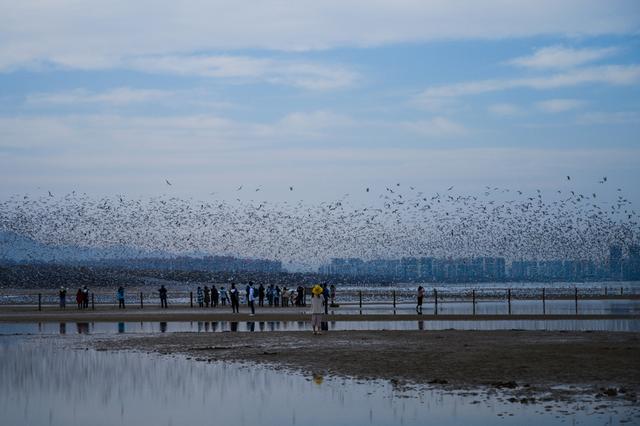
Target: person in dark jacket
[(120, 297), (215, 296), (235, 298), (163, 296)]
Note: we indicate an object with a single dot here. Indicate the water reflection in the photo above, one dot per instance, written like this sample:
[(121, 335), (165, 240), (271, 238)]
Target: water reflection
[(569, 324), (40, 384)]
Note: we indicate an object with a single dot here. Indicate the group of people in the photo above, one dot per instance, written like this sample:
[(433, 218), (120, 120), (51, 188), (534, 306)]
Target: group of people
[(82, 297), (214, 297)]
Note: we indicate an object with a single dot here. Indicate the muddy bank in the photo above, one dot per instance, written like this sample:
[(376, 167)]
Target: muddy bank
[(530, 363)]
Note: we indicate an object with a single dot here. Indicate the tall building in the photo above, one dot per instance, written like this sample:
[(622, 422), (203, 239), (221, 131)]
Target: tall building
[(615, 262)]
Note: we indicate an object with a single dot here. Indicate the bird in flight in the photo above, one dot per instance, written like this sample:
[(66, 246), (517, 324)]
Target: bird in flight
[(168, 183), (291, 188), (568, 177)]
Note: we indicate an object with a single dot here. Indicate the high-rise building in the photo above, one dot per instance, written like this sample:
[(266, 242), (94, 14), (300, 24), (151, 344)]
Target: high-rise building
[(615, 262)]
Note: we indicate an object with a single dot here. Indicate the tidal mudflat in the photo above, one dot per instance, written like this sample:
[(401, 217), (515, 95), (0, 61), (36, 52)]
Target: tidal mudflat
[(289, 379)]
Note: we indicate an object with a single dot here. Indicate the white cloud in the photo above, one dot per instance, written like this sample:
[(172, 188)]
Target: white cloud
[(117, 96), (305, 75), (559, 57), (606, 74), (559, 105), (504, 110), (95, 36), (434, 127), (605, 118)]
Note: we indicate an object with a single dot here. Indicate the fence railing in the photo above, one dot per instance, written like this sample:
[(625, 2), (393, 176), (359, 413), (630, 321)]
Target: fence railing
[(436, 300)]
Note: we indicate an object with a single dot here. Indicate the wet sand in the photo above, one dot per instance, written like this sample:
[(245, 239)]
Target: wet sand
[(112, 314), (529, 364)]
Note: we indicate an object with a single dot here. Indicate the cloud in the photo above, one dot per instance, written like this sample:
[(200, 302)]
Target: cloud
[(434, 127), (609, 118), (117, 96), (306, 75), (559, 57), (617, 75), (504, 110), (559, 105), (89, 36)]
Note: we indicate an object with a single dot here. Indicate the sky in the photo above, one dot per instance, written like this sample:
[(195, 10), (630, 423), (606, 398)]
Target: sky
[(329, 97)]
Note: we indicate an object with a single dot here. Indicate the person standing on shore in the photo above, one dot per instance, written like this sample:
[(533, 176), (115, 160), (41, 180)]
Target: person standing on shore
[(79, 298), (285, 297), (163, 296), (420, 298), (200, 297), (246, 295), (332, 293), (325, 296), (252, 298), (85, 297), (235, 299), (207, 296), (224, 296), (63, 297), (120, 297), (276, 296), (215, 296), (316, 309), (261, 295)]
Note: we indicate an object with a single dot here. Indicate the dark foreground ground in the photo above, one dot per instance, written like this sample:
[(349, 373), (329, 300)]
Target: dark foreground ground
[(532, 364)]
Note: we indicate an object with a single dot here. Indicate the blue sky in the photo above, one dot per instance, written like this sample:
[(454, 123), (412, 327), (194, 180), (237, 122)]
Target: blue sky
[(327, 96)]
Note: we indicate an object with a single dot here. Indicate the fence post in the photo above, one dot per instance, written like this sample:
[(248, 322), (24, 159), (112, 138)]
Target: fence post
[(141, 303), (544, 310), (360, 297), (509, 299), (576, 293), (435, 301), (394, 302), (191, 298), (39, 301), (473, 300), (93, 304)]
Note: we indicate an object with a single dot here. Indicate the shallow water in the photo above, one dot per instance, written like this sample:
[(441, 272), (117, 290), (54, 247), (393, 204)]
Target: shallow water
[(44, 383), (49, 328)]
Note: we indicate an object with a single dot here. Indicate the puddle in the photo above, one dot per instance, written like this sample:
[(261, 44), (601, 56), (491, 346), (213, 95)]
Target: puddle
[(44, 382)]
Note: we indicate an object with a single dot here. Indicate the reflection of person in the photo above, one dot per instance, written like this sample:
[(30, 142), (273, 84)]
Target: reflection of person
[(317, 378), (316, 309), (163, 296), (420, 297)]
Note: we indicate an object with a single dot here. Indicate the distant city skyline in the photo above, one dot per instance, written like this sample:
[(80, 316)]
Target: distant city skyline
[(197, 99)]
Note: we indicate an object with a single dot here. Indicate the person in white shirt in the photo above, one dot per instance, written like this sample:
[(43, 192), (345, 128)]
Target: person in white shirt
[(252, 298), (316, 308)]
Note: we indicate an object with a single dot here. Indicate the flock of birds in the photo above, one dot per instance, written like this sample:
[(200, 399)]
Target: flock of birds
[(393, 222)]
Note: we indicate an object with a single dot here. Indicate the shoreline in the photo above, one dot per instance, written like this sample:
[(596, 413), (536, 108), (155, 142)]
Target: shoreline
[(527, 364)]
